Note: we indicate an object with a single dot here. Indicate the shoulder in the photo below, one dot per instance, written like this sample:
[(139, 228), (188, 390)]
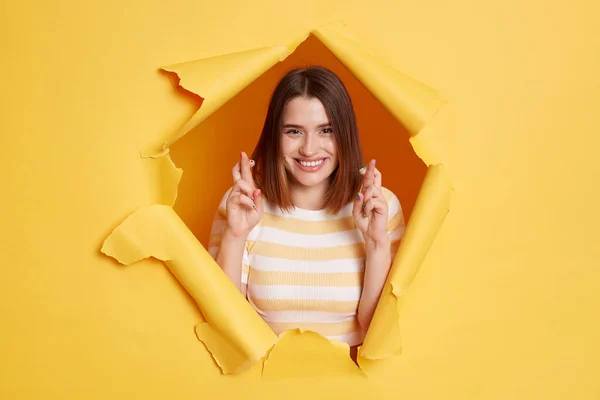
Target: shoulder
[(389, 196), (394, 205), (222, 207), (226, 195)]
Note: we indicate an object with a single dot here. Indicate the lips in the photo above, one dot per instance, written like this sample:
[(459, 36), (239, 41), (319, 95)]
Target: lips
[(311, 165)]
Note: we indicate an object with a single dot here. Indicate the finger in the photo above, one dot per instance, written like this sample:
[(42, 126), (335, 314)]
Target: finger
[(376, 205), (368, 208), (369, 178), (243, 187), (233, 199), (357, 209), (236, 173), (371, 192), (377, 175), (245, 169), (258, 201), (363, 172), (247, 201)]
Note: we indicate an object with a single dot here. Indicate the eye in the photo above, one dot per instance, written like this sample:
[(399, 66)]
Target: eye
[(293, 132), (327, 130)]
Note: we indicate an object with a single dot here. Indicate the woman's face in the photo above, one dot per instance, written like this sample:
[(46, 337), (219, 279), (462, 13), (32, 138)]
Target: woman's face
[(308, 144)]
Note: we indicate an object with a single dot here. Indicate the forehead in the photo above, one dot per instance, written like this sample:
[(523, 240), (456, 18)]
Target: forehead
[(304, 111)]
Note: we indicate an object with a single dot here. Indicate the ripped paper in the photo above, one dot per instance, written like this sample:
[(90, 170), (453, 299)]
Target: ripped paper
[(313, 355), (233, 332), (383, 337)]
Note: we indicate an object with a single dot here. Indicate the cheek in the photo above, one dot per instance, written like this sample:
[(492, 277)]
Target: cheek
[(287, 147), (330, 146)]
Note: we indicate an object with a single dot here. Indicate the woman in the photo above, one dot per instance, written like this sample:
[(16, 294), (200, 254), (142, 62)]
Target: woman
[(305, 233)]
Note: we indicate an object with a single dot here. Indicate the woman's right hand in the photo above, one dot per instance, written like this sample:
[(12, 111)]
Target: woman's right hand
[(244, 203)]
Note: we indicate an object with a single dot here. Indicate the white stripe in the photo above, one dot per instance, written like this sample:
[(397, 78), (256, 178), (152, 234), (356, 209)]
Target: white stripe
[(352, 338), (302, 316), (394, 207), (223, 202), (308, 215), (397, 233), (277, 292), (262, 263), (274, 235)]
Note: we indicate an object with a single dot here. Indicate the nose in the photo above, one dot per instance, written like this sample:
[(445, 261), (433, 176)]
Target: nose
[(310, 146)]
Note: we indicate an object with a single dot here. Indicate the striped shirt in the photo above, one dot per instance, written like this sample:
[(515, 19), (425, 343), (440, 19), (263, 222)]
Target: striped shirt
[(304, 269)]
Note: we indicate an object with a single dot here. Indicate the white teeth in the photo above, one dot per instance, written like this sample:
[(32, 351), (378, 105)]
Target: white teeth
[(310, 163)]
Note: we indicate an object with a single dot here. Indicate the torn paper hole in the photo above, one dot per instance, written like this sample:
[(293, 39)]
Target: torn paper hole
[(313, 355), (233, 332)]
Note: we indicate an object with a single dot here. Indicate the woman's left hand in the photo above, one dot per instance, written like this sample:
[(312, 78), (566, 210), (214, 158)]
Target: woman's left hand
[(370, 210)]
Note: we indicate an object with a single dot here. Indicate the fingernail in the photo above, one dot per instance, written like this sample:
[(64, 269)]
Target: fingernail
[(357, 196), (374, 162), (362, 169)]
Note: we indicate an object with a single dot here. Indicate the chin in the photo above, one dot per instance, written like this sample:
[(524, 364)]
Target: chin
[(309, 180)]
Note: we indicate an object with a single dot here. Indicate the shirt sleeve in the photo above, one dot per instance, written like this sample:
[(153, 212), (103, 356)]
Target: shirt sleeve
[(396, 224), (216, 235)]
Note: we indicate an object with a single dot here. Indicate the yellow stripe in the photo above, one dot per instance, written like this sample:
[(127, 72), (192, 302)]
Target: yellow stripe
[(285, 278), (396, 222), (342, 307), (324, 329), (215, 240), (273, 250), (307, 227)]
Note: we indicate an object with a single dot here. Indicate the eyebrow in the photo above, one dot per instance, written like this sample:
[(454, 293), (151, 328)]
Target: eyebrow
[(324, 125)]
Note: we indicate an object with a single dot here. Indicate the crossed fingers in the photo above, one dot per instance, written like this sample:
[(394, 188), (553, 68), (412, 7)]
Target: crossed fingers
[(243, 183), (371, 189)]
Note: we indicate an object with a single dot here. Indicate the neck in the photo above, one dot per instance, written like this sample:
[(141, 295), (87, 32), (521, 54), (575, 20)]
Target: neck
[(309, 198)]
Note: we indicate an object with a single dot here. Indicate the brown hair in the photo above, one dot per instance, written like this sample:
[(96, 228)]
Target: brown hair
[(269, 171)]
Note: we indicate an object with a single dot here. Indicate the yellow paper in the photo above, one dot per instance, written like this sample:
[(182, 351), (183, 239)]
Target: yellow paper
[(415, 105), (217, 80), (166, 177), (505, 303), (313, 355), (410, 101), (384, 336), (234, 333)]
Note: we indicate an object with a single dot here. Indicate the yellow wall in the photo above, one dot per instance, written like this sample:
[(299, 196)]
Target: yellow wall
[(506, 303)]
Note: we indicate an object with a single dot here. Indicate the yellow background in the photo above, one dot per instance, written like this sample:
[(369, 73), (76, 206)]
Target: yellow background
[(505, 305)]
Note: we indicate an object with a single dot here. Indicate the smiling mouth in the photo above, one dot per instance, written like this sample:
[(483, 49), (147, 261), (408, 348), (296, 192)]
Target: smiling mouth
[(313, 163)]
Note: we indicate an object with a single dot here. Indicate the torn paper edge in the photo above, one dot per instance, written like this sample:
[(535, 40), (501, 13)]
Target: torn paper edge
[(173, 171), (337, 346), (157, 231)]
